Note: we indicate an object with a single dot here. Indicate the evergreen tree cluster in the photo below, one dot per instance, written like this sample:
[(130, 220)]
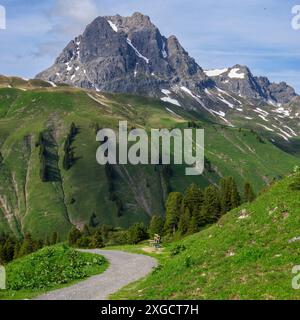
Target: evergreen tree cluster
[(69, 157), (12, 248), (110, 176), (189, 212), (44, 169), (86, 238), (106, 235)]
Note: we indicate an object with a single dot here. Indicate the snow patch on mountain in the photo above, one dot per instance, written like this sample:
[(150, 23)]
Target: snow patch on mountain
[(137, 51), (267, 128), (168, 98), (233, 74), (215, 72), (163, 51), (113, 26)]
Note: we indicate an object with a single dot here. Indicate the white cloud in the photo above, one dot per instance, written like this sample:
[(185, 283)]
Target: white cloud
[(71, 16), (76, 10)]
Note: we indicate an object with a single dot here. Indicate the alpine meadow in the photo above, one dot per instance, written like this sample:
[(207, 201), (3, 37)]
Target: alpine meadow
[(130, 171)]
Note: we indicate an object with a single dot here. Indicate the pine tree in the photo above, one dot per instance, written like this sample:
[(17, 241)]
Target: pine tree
[(47, 241), (73, 236), (193, 225), (137, 233), (229, 195), (17, 249), (86, 231), (184, 221), (235, 196), (173, 207), (7, 254), (97, 240), (69, 157), (193, 197), (28, 246), (211, 209), (249, 195), (54, 238), (225, 196), (156, 226)]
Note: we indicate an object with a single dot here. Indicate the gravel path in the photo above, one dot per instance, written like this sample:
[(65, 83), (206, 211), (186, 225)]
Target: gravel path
[(124, 268)]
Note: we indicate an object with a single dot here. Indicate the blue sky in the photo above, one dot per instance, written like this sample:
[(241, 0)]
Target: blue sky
[(216, 33)]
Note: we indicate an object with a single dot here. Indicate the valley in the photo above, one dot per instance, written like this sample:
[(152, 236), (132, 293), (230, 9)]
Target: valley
[(81, 194)]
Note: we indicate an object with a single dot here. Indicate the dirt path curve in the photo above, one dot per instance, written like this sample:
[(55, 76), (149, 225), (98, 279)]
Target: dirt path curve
[(124, 268)]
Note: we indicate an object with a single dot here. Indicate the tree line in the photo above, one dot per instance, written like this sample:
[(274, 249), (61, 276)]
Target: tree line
[(187, 213), (107, 235), (12, 248), (44, 168), (69, 157)]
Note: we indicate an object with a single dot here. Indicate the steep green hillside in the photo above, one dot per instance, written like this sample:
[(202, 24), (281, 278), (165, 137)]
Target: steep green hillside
[(35, 121), (248, 254)]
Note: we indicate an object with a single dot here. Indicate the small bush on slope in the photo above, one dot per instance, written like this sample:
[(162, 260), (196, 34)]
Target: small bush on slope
[(248, 254), (52, 266)]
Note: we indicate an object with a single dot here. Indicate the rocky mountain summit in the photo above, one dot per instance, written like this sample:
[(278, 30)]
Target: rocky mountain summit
[(125, 54), (129, 55), (241, 81)]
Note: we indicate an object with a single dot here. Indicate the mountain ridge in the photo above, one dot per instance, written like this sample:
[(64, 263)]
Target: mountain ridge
[(132, 49)]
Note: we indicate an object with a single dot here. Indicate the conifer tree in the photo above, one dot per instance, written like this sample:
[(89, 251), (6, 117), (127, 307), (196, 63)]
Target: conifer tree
[(54, 238), (173, 207), (211, 209), (156, 226), (235, 196), (137, 233), (184, 221), (73, 236), (8, 250), (97, 240), (229, 195), (193, 197), (28, 246), (249, 195), (86, 231), (193, 225)]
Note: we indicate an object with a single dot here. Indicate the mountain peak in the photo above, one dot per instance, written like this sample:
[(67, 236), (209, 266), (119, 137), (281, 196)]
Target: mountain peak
[(129, 54), (240, 80), (125, 54)]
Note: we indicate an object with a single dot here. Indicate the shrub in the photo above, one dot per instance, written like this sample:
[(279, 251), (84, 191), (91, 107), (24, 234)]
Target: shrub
[(177, 249), (295, 184), (50, 266), (137, 233)]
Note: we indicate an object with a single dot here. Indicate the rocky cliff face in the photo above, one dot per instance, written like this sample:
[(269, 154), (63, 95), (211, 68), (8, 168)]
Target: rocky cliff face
[(241, 81), (125, 54)]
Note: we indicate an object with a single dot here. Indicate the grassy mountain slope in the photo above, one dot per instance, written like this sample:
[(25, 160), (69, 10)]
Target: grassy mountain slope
[(81, 194), (248, 254)]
